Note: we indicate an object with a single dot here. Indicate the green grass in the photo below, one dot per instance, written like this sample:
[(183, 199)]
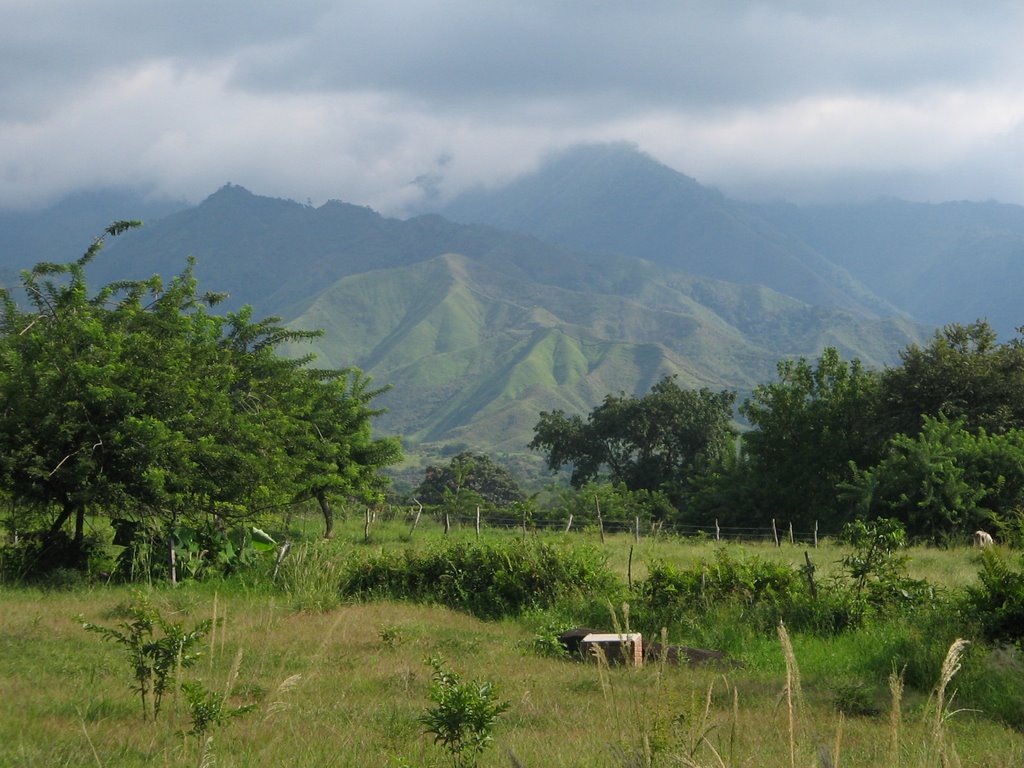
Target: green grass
[(345, 686), (339, 684)]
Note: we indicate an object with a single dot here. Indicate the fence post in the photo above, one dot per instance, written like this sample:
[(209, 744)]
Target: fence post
[(447, 524), (417, 520), (600, 522), (282, 552), (478, 523), (815, 534), (775, 533), (366, 526), (569, 524), (790, 531), (638, 529), (629, 569), (718, 533), (174, 564), (810, 576)]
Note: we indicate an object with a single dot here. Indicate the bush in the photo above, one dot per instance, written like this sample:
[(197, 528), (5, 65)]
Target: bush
[(53, 561), (763, 589), (487, 580), (463, 716), (996, 605)]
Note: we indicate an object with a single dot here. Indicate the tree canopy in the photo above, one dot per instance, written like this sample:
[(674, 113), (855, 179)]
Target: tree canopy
[(139, 399), (647, 443), (474, 473)]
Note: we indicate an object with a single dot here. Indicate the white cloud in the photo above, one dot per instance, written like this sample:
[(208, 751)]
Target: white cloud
[(356, 100)]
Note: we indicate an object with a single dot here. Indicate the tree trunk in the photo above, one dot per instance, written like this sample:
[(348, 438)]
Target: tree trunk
[(325, 507), (80, 526), (65, 512)]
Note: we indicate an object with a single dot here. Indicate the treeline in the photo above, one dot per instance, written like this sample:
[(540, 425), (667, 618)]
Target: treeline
[(936, 442), (138, 401)]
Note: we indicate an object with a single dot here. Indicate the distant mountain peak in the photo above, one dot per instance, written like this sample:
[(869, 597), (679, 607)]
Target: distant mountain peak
[(613, 198)]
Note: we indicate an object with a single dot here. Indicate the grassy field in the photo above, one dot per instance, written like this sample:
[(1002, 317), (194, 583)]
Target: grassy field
[(343, 685)]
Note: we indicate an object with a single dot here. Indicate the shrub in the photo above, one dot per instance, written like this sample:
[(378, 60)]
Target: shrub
[(154, 656), (996, 605), (763, 589), (463, 716), (487, 580)]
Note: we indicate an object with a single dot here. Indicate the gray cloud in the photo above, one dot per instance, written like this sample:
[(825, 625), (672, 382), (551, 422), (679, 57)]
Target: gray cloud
[(358, 99)]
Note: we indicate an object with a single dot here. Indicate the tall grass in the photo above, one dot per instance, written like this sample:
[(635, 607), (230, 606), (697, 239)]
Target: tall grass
[(344, 687)]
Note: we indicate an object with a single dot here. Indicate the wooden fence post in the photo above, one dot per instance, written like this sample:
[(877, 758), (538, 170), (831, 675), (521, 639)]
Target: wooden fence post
[(718, 532), (478, 523), (417, 520), (629, 569), (775, 533), (282, 552), (366, 526), (815, 534), (174, 564), (569, 524), (600, 522), (790, 531), (447, 524), (810, 576)]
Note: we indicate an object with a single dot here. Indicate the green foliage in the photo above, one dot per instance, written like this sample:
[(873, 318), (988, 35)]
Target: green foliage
[(209, 708), (962, 373), (651, 442), (486, 580), (617, 504), (463, 716), (875, 547), (136, 397), (945, 481), (807, 428), (854, 699), (469, 479), (764, 591), (996, 604), (156, 649), (877, 568)]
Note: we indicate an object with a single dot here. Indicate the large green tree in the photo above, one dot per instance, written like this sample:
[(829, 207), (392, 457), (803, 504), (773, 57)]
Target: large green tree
[(963, 371), (806, 429), (945, 481), (653, 442), (138, 398), (473, 474)]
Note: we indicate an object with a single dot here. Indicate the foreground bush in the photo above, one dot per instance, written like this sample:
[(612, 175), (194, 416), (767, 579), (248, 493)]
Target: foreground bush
[(487, 580)]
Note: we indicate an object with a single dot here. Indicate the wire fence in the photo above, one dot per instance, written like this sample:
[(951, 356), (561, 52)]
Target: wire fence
[(777, 532)]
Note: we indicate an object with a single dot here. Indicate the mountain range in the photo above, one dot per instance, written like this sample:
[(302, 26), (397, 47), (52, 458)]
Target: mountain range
[(599, 273)]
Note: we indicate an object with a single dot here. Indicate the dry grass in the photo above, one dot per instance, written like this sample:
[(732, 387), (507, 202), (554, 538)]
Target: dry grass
[(344, 687)]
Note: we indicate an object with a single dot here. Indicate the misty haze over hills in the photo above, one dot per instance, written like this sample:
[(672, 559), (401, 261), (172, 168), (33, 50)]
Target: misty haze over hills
[(601, 272)]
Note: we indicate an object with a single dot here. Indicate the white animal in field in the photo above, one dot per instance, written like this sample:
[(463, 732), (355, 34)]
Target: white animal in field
[(982, 539)]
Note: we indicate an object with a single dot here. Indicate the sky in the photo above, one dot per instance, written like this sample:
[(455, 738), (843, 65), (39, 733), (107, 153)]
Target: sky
[(384, 103)]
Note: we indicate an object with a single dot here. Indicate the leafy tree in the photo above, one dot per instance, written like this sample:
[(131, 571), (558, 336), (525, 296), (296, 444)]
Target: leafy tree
[(472, 474), (806, 429), (138, 398), (339, 455), (963, 371), (943, 482), (647, 443)]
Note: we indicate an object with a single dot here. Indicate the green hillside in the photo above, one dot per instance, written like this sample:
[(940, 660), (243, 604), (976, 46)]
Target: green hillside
[(478, 330), (474, 354)]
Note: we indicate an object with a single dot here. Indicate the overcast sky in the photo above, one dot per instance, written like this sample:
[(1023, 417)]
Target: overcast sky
[(355, 100)]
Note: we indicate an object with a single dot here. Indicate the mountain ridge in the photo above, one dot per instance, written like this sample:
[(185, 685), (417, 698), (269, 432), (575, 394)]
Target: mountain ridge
[(478, 328)]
